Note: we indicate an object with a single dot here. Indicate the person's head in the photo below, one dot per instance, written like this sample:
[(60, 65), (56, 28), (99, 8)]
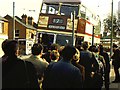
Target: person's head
[(37, 49), (92, 48), (4, 43), (100, 48), (54, 47), (10, 47), (54, 55), (76, 57), (85, 45), (96, 50), (114, 47), (68, 52)]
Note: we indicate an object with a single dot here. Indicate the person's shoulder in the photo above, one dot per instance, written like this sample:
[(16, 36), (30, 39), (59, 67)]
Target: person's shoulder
[(43, 61), (84, 52), (75, 68), (24, 61), (28, 63), (118, 50), (19, 60)]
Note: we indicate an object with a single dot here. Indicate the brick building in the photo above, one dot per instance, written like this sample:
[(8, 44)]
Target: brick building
[(3, 32), (25, 32)]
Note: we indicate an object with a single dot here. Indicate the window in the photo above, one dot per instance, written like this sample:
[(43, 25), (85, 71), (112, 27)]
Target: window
[(32, 35), (83, 15), (44, 8), (68, 9), (83, 11), (1, 27), (65, 9), (17, 33), (50, 9)]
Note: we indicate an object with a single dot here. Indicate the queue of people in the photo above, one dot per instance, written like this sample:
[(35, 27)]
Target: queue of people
[(67, 66)]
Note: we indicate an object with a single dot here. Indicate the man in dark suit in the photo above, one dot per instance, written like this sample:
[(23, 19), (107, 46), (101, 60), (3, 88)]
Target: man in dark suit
[(17, 73), (116, 62), (63, 74)]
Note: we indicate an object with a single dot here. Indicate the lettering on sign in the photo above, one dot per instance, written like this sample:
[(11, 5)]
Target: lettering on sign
[(56, 27)]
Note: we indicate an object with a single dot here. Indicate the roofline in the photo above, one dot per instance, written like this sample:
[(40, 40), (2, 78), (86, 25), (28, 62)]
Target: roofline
[(3, 19), (63, 1), (27, 26)]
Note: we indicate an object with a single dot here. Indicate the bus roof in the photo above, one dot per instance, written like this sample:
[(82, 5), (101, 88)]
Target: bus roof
[(62, 1)]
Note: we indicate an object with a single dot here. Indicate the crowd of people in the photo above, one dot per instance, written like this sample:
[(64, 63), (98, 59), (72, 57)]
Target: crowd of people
[(81, 66)]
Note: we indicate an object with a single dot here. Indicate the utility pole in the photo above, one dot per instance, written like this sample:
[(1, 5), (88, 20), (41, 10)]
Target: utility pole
[(73, 31), (111, 42), (13, 20)]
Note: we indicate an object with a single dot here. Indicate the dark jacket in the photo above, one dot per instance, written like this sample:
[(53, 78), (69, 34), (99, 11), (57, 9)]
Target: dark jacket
[(107, 60), (62, 74), (116, 58), (86, 61), (14, 74)]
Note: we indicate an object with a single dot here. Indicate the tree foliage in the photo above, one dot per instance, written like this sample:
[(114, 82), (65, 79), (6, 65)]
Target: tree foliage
[(108, 24)]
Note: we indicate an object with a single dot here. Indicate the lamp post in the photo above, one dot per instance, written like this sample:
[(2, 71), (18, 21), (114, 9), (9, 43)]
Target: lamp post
[(13, 20), (111, 42)]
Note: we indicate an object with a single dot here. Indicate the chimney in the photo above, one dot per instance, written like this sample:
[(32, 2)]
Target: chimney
[(30, 20), (24, 19)]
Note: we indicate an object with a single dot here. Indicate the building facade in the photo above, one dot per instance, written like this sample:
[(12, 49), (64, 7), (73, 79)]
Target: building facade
[(24, 32), (3, 32)]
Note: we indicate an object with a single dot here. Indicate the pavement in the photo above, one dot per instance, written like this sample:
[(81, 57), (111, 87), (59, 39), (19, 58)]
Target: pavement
[(112, 86)]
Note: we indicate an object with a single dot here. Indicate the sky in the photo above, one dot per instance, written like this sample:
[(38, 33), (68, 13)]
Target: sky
[(100, 7)]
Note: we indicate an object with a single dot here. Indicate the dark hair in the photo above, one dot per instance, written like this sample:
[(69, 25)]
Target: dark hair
[(114, 45), (92, 48), (101, 48), (10, 47), (85, 45), (54, 47), (96, 49), (4, 45), (68, 52), (36, 49)]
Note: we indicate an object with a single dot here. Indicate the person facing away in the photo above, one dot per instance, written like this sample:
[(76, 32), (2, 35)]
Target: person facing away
[(39, 63), (63, 74), (86, 61), (105, 55), (98, 69), (15, 72), (116, 62), (3, 48)]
